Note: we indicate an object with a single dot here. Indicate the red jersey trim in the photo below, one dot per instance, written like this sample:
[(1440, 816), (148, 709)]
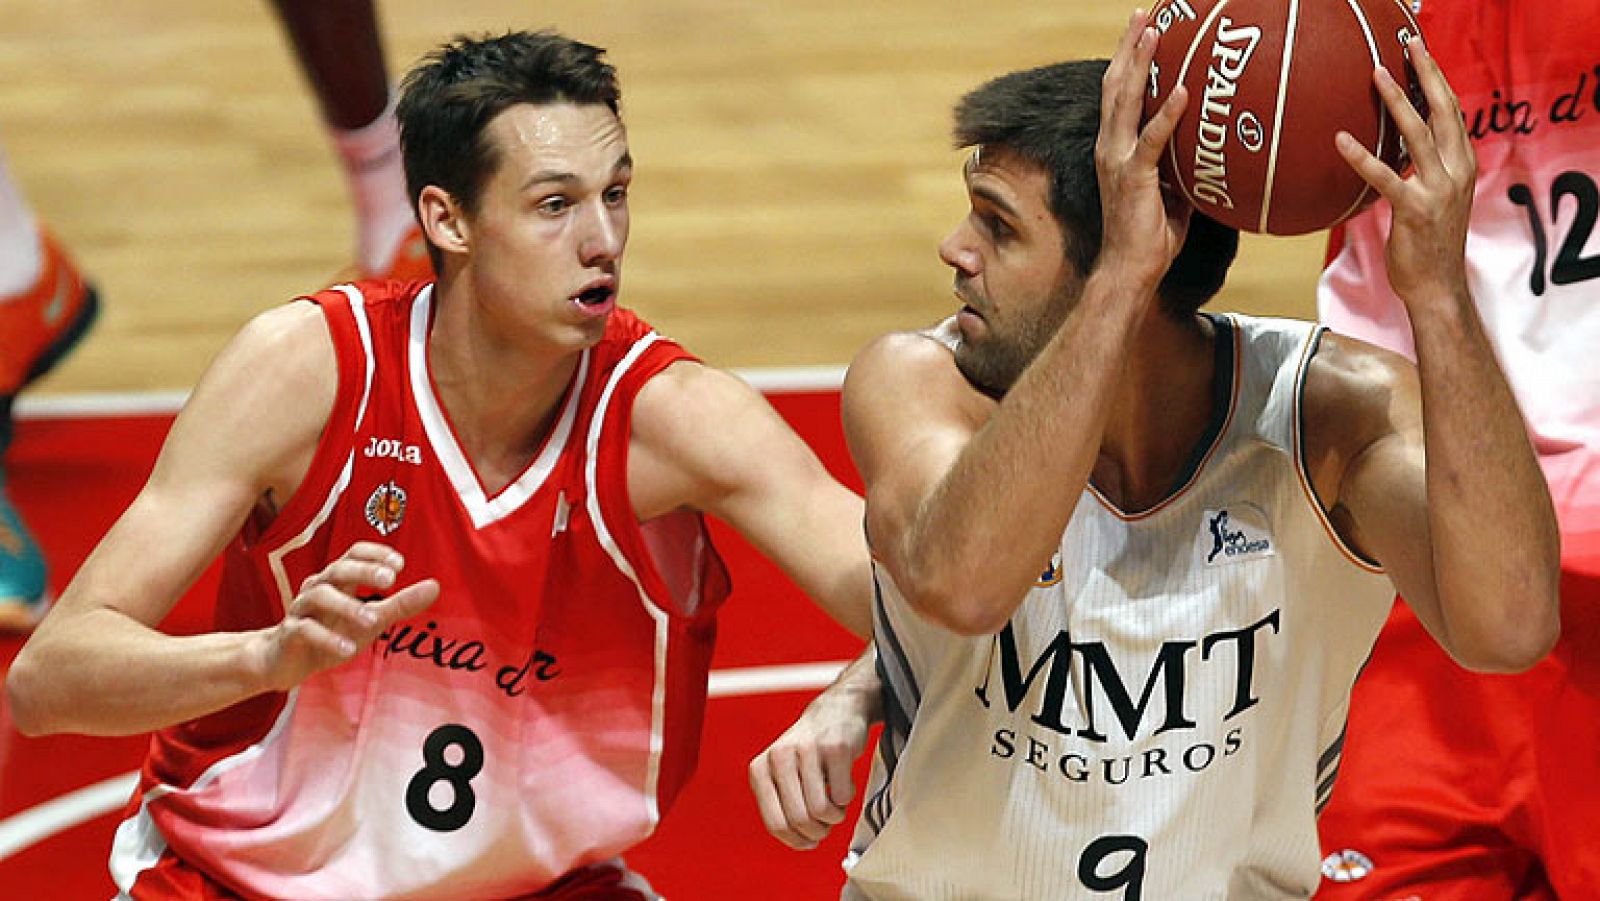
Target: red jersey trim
[(280, 549)]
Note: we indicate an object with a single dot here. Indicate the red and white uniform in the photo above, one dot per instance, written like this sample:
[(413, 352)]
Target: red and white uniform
[(1495, 798), (538, 718)]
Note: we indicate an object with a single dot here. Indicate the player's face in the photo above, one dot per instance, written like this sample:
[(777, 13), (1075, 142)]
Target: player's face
[(1012, 275), (552, 221)]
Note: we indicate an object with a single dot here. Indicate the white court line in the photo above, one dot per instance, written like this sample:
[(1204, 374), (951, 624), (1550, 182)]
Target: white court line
[(32, 826), (766, 680), (88, 406), (781, 380)]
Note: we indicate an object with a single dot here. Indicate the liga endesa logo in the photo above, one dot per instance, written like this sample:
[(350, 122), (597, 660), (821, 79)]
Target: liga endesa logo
[(1234, 534)]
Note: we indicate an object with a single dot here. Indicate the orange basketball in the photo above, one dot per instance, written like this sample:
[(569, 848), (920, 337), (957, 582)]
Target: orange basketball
[(1270, 83)]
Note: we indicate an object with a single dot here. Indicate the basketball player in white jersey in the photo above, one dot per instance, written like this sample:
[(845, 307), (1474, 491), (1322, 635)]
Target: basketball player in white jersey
[(468, 599), (1131, 556)]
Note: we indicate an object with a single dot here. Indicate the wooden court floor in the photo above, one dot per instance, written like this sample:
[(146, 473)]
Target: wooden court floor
[(794, 170)]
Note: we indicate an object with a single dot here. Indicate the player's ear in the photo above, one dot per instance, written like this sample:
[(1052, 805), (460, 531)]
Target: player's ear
[(444, 220)]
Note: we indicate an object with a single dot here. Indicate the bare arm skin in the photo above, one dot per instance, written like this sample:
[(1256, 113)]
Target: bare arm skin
[(98, 664), (704, 439), (1440, 482), (966, 500), (1446, 502), (804, 782)]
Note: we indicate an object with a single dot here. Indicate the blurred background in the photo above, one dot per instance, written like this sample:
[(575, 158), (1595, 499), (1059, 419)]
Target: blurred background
[(794, 169)]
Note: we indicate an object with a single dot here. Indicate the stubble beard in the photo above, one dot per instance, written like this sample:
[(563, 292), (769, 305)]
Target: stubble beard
[(994, 364)]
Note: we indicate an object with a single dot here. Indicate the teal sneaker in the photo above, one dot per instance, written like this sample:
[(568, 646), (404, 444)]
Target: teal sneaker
[(23, 588)]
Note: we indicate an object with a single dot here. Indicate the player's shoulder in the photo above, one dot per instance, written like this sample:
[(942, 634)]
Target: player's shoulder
[(287, 337), (696, 432), (687, 391), (282, 357), (905, 378), (265, 399), (1348, 371), (909, 357), (1355, 392)]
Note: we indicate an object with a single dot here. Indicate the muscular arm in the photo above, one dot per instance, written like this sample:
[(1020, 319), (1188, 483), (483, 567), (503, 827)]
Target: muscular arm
[(98, 664), (966, 500), (1442, 485), (704, 439), (1435, 479)]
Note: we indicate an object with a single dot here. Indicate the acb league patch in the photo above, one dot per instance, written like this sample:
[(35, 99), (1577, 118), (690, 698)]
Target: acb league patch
[(386, 508)]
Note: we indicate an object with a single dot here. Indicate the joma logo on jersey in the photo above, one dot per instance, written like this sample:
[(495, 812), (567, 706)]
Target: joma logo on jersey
[(394, 450), (1103, 685), (1235, 534)]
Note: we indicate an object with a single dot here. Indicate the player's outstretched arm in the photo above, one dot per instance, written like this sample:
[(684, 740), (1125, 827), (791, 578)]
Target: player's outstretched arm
[(98, 664), (804, 781), (704, 439), (1444, 488)]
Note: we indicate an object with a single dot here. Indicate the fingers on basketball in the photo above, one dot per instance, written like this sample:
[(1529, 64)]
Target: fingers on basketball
[(1446, 121), (1123, 87)]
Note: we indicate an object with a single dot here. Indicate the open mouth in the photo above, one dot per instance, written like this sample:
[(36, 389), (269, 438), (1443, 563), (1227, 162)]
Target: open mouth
[(599, 295)]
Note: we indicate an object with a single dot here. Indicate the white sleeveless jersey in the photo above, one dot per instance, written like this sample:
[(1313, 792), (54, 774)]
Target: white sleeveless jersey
[(1162, 717)]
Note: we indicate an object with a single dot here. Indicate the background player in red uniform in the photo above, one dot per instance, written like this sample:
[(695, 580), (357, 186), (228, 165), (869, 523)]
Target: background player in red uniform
[(506, 450), (1458, 785), (46, 306)]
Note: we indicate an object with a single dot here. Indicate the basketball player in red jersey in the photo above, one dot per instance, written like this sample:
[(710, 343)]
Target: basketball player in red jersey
[(1456, 785), (468, 602), (46, 305)]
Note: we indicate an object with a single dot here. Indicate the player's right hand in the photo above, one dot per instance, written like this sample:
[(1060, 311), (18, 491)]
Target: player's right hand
[(327, 624), (804, 782), (1143, 226)]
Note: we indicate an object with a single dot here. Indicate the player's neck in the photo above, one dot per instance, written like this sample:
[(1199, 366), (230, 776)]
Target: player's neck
[(501, 398), (1160, 414)]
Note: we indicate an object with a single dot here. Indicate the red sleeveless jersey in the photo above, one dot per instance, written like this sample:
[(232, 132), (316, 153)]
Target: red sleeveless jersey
[(1528, 78), (538, 717)]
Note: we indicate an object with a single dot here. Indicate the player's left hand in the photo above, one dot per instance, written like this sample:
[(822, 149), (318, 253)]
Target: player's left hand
[(1428, 237), (803, 782)]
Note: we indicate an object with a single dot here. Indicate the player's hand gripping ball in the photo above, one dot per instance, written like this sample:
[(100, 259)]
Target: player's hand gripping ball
[(1270, 84)]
